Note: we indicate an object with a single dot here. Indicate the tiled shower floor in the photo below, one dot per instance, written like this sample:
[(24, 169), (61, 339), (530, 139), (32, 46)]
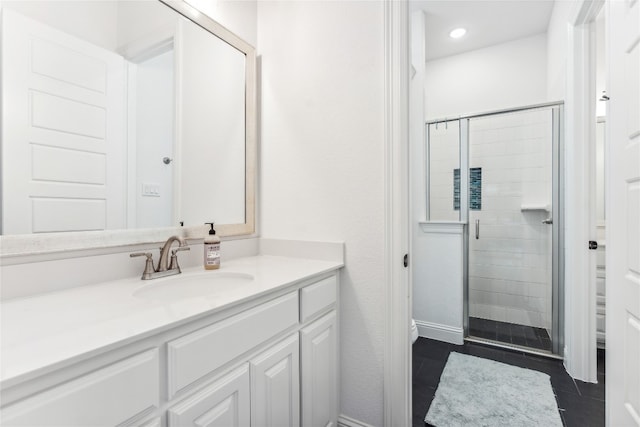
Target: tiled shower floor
[(510, 333)]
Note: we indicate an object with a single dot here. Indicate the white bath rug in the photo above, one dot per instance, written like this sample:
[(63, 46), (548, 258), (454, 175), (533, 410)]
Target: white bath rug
[(479, 392)]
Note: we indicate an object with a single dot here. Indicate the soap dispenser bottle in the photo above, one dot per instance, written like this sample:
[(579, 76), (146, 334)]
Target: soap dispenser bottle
[(211, 249)]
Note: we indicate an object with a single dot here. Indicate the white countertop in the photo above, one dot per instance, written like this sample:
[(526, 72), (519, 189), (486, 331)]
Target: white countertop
[(40, 332)]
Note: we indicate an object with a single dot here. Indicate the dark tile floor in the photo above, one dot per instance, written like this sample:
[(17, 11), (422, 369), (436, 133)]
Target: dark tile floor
[(510, 333), (581, 404)]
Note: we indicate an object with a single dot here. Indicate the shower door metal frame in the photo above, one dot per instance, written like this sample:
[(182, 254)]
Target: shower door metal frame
[(557, 215)]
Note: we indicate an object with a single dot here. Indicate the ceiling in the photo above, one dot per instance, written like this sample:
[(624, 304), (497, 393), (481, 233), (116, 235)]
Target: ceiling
[(488, 22)]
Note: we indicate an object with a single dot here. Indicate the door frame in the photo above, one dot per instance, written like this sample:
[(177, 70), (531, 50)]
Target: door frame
[(580, 315), (397, 348)]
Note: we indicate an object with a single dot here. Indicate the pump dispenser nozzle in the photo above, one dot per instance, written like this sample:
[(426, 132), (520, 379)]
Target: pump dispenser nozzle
[(212, 231)]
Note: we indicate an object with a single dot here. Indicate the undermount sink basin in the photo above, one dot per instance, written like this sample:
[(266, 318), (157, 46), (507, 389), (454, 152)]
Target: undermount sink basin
[(183, 285)]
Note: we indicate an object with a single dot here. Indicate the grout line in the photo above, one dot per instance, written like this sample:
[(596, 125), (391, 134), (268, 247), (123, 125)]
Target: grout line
[(576, 386)]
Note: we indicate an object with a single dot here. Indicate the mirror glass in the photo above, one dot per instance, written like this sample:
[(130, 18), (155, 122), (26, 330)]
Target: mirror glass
[(123, 115)]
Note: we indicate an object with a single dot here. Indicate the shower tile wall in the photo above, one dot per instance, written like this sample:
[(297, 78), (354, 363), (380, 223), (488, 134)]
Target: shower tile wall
[(510, 265), (444, 158)]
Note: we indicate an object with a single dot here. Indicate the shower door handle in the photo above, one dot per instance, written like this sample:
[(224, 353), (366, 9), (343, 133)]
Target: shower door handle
[(477, 229), (547, 221)]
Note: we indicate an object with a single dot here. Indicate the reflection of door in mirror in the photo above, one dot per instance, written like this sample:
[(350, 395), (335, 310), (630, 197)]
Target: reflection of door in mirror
[(62, 137), (151, 139)]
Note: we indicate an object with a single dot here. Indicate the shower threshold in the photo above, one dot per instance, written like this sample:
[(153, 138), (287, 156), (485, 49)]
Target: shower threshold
[(510, 335), (513, 347)]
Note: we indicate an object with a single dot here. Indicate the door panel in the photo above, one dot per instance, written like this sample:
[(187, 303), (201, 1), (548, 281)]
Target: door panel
[(225, 403), (623, 215), (319, 373), (275, 385), (510, 234), (511, 227)]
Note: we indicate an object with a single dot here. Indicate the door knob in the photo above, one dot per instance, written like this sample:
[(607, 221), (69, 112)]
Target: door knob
[(547, 221)]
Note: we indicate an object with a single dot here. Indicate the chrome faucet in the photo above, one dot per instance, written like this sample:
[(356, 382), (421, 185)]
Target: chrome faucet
[(165, 268), (163, 264)]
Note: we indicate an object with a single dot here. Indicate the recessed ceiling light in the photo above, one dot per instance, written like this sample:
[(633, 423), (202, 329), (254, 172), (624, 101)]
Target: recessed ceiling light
[(457, 33)]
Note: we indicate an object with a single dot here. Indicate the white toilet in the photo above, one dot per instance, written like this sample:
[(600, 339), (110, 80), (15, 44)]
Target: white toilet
[(414, 331)]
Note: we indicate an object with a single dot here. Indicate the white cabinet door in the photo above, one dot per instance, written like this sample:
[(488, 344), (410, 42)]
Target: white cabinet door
[(319, 373), (275, 385), (225, 403)]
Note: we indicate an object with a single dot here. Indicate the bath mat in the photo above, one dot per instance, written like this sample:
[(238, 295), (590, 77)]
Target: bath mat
[(479, 392)]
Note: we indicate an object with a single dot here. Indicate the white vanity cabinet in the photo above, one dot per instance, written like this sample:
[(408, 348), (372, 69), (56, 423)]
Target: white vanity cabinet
[(267, 361)]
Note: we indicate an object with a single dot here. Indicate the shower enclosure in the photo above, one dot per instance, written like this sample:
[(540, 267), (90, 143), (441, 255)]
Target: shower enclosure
[(498, 173)]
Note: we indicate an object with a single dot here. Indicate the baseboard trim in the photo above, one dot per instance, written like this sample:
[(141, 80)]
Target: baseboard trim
[(440, 332), (344, 421)]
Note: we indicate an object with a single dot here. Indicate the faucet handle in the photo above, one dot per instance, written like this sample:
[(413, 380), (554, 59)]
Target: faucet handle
[(173, 265), (148, 267), (147, 254)]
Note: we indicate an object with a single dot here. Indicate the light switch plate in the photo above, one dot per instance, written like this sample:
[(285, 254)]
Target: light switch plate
[(150, 189)]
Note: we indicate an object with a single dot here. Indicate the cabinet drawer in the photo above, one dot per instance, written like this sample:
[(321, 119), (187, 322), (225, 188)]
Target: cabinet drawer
[(316, 297), (203, 351), (108, 396)]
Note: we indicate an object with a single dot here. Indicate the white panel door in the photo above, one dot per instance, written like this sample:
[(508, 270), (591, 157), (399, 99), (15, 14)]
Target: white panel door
[(623, 215), (275, 385), (319, 373), (63, 164), (225, 403)]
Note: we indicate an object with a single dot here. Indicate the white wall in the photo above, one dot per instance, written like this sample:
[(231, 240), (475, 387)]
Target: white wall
[(557, 48), (93, 21), (322, 163), (502, 76)]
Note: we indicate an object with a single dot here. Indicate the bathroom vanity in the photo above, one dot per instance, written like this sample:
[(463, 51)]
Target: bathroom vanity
[(252, 344)]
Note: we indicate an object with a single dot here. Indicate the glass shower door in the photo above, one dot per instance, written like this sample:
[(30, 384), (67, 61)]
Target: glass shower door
[(511, 297)]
